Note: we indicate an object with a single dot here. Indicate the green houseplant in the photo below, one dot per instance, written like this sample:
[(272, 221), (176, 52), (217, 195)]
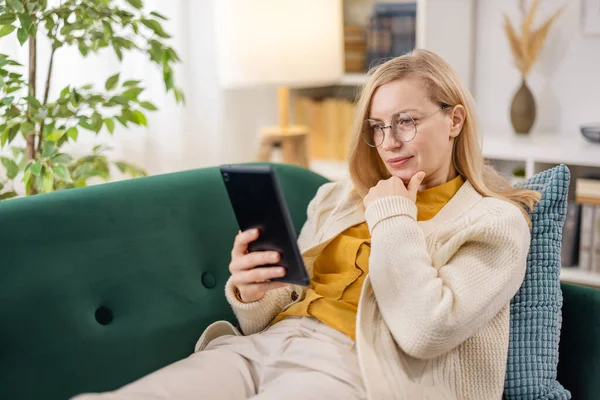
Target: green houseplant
[(34, 126)]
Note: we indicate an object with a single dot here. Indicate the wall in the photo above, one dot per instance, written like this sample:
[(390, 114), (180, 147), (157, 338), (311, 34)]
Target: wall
[(565, 81)]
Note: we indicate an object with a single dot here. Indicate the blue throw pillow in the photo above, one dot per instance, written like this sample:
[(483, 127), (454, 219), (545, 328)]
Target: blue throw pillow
[(535, 311)]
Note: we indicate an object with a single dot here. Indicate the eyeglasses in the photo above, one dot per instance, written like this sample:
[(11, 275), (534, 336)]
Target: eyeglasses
[(403, 127)]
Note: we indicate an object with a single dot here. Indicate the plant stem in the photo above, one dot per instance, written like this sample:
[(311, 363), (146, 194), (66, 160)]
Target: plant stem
[(46, 93), (30, 149)]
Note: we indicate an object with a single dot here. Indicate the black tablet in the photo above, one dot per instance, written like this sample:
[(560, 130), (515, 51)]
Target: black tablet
[(258, 202)]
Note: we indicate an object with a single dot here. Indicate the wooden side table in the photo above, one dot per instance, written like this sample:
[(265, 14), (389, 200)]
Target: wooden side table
[(293, 141)]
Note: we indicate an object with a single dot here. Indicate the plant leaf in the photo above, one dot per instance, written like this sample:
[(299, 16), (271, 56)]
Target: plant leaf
[(22, 35), (8, 195), (130, 83), (108, 31), (6, 29), (63, 173), (139, 118), (16, 5), (111, 82), (110, 124), (156, 28), (8, 100), (132, 94), (168, 78), (136, 4), (86, 125), (157, 15), (83, 49), (26, 21), (36, 168), (48, 149), (27, 127), (7, 19), (97, 122), (55, 135), (73, 133), (33, 101), (48, 183), (12, 132), (12, 169), (122, 120), (62, 158), (148, 106)]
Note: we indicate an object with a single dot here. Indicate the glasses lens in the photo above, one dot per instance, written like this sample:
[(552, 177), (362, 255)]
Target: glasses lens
[(372, 133), (404, 127)]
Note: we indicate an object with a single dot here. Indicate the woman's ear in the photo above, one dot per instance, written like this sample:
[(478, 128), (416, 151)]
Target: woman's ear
[(458, 119)]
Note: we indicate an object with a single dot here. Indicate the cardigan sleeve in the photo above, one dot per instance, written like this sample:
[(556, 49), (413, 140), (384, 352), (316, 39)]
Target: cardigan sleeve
[(430, 310)]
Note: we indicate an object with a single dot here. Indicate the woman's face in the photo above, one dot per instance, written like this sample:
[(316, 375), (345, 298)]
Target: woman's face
[(431, 149)]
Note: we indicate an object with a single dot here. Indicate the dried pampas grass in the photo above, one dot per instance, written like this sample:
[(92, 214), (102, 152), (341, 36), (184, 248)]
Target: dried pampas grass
[(526, 47)]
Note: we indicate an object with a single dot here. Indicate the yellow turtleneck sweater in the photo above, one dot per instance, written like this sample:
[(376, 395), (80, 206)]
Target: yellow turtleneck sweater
[(339, 271)]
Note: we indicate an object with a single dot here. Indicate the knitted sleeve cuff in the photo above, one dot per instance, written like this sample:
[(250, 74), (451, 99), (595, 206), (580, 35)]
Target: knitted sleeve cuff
[(255, 316), (389, 207)]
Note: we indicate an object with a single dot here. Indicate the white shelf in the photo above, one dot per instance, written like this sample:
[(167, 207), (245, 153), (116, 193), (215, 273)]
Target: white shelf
[(354, 79), (580, 277), (550, 148)]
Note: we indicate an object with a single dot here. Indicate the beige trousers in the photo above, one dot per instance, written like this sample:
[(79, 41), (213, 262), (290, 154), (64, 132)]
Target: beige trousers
[(297, 358)]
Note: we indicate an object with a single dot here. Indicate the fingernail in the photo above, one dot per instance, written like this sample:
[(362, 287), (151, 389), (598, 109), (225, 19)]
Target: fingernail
[(422, 175), (281, 271), (275, 257)]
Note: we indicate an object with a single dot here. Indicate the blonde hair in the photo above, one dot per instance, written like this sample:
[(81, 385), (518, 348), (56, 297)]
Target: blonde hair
[(444, 87)]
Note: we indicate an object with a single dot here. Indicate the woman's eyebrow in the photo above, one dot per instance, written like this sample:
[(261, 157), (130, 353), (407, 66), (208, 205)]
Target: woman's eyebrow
[(400, 111)]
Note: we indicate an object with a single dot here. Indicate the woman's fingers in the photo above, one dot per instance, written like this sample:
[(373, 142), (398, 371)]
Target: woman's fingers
[(242, 239), (257, 275), (252, 260)]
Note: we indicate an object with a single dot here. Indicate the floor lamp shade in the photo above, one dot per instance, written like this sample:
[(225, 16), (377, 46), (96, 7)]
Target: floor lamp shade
[(279, 42)]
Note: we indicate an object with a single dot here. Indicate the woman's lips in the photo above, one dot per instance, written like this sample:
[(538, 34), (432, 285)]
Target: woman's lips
[(398, 161)]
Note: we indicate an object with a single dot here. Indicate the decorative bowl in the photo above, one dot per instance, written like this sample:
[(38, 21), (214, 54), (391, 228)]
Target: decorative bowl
[(591, 132)]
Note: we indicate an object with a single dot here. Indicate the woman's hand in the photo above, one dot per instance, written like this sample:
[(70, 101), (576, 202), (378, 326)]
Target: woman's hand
[(395, 187), (252, 283)]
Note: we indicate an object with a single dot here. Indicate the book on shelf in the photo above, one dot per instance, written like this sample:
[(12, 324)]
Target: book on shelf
[(587, 195), (355, 48), (391, 31), (330, 122), (570, 240)]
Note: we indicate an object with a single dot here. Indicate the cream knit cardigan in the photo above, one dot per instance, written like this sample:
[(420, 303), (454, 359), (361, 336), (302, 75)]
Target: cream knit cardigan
[(433, 315)]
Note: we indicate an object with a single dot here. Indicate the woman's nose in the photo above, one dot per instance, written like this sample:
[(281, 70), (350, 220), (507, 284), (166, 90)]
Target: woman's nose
[(389, 140)]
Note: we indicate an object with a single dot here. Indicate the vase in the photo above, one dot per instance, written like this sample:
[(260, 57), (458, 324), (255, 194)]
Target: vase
[(522, 110)]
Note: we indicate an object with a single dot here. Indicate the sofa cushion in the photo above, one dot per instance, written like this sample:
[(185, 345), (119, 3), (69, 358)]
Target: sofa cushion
[(535, 317)]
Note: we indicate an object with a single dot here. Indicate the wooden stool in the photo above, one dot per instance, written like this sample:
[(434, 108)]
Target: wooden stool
[(293, 141)]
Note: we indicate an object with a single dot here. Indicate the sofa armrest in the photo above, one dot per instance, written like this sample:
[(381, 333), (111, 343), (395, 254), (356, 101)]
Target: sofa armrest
[(579, 351)]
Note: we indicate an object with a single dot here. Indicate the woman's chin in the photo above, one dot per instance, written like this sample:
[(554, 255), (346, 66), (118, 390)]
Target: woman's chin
[(405, 175)]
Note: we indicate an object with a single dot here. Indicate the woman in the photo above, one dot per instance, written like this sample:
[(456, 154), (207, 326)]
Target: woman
[(413, 262)]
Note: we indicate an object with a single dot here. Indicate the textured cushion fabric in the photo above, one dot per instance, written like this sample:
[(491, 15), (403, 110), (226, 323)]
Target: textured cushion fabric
[(579, 363), (102, 285), (535, 314)]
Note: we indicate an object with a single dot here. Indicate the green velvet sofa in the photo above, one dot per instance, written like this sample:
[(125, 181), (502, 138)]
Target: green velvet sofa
[(102, 285)]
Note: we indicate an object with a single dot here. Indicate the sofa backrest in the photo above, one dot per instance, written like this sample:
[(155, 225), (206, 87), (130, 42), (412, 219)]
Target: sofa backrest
[(102, 285)]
